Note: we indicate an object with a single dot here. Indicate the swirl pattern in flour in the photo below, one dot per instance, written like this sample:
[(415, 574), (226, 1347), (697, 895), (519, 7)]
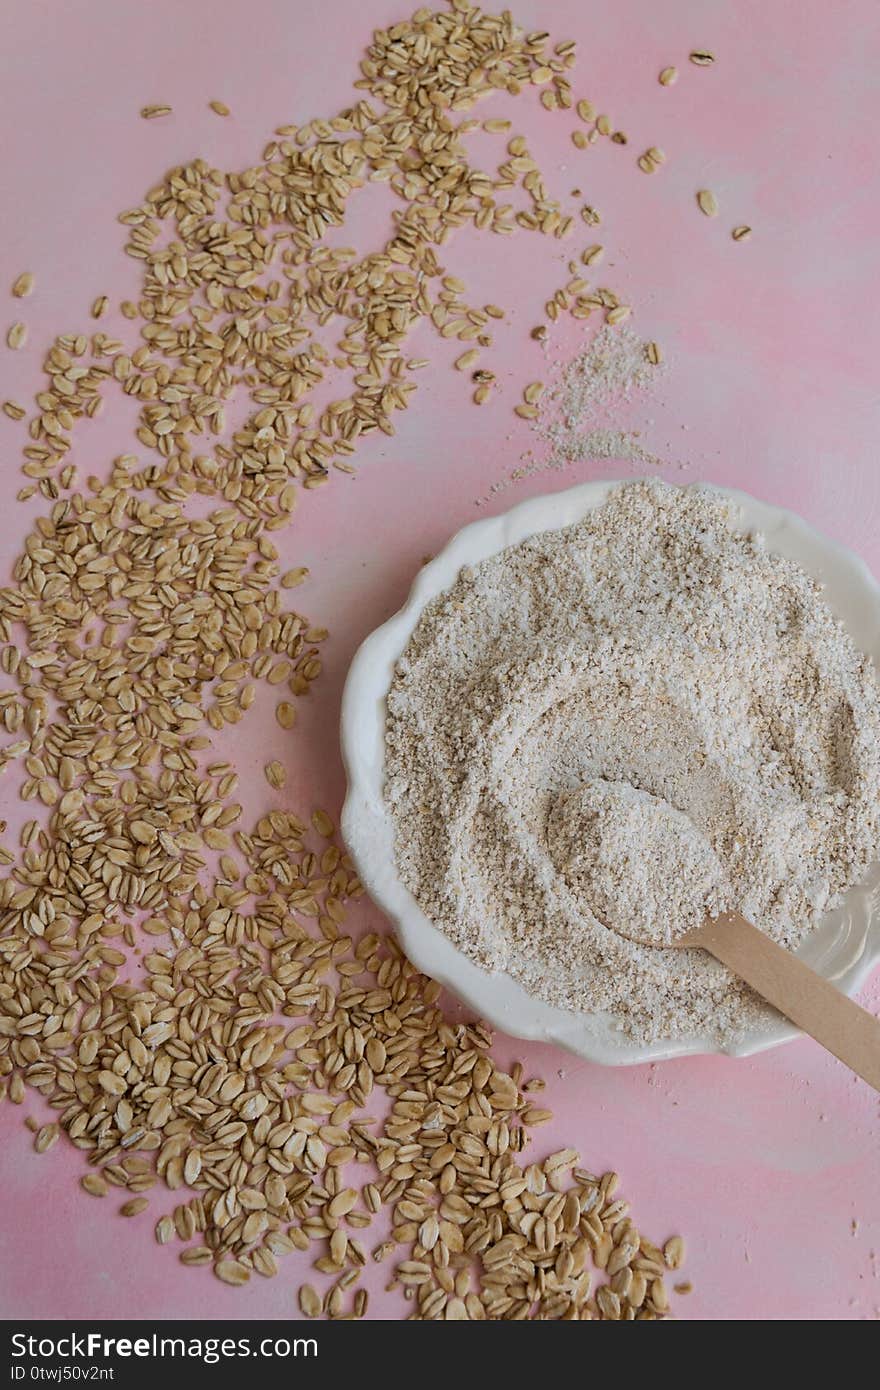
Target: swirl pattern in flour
[(654, 647)]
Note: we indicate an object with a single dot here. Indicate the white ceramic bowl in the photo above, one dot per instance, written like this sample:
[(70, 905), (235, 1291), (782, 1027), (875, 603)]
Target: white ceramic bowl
[(844, 948)]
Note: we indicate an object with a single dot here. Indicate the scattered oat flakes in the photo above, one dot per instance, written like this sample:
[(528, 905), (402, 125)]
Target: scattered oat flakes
[(159, 629)]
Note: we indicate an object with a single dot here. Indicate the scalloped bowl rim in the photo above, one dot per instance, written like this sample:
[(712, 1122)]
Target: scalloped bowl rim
[(846, 945)]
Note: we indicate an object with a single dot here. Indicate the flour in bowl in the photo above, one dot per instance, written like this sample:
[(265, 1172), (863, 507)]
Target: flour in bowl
[(607, 731), (639, 865)]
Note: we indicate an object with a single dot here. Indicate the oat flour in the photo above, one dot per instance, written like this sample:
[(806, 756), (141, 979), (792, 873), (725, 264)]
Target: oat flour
[(607, 730)]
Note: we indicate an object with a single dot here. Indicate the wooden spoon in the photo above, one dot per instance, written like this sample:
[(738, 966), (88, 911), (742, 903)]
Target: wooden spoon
[(813, 1003)]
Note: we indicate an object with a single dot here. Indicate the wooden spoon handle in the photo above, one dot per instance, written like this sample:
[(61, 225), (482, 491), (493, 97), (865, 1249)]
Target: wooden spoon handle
[(810, 1001)]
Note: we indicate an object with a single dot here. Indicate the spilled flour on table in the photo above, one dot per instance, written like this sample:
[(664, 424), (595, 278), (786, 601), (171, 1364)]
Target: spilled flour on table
[(580, 413), (655, 647), (603, 378)]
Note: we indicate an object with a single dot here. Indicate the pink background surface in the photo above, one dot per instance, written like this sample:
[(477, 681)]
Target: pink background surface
[(768, 1166)]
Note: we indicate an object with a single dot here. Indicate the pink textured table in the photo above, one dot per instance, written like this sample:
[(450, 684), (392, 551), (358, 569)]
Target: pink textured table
[(769, 1166)]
